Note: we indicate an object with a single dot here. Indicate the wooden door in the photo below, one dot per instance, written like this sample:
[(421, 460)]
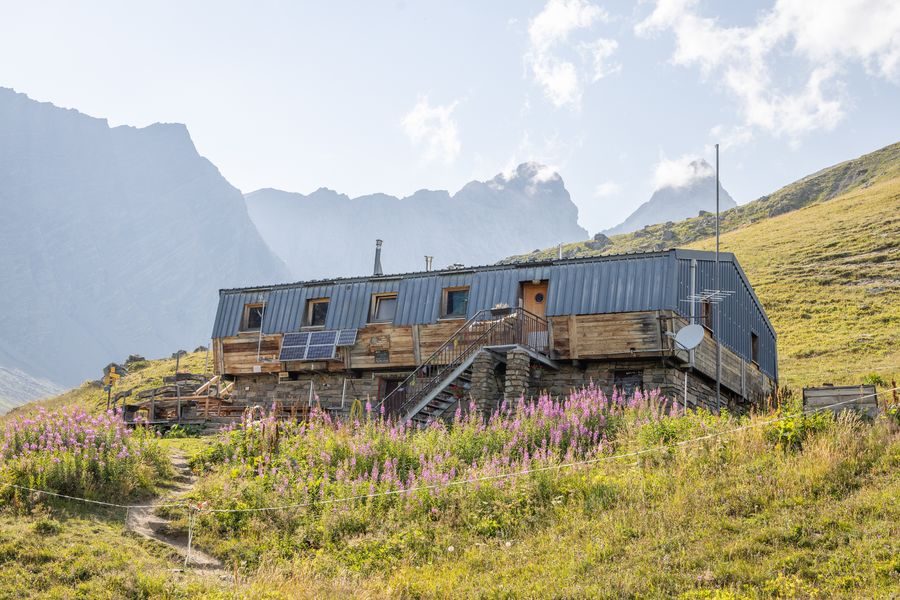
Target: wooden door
[(534, 298)]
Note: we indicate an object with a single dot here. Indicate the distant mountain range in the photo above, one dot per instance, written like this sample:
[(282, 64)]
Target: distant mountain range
[(112, 241), (327, 234), (677, 202), (115, 240)]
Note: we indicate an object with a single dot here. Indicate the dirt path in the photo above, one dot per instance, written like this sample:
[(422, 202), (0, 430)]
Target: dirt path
[(144, 522)]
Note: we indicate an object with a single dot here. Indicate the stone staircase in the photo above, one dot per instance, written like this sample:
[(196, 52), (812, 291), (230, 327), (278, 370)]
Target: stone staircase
[(431, 390)]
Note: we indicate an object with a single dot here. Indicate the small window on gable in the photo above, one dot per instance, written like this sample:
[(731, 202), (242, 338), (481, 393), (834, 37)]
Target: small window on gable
[(754, 348), (706, 314), (316, 312), (456, 303), (253, 315), (384, 307)]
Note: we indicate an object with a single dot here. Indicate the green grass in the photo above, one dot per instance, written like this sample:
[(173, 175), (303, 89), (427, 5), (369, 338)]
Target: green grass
[(829, 277), (72, 552), (742, 516)]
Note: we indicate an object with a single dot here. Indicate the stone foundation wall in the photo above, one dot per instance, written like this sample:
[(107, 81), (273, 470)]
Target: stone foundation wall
[(492, 381), (264, 390), (487, 381), (701, 391)]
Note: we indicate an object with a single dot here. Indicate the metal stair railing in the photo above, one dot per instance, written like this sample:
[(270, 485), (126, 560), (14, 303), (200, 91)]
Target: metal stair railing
[(490, 327)]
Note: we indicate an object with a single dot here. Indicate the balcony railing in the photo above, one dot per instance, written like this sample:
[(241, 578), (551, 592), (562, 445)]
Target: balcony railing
[(491, 327)]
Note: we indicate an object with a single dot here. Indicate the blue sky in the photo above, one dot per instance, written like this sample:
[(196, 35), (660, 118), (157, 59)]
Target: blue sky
[(393, 97)]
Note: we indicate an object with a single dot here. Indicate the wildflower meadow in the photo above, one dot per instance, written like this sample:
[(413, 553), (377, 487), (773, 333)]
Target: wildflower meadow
[(73, 452)]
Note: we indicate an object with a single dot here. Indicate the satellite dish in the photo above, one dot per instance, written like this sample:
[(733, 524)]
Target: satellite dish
[(690, 336)]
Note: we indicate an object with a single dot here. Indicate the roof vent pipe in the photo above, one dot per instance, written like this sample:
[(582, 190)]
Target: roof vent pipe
[(378, 271), (559, 251), (428, 260)]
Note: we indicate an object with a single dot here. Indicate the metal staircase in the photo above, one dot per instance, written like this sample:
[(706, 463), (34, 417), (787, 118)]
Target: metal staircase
[(426, 394)]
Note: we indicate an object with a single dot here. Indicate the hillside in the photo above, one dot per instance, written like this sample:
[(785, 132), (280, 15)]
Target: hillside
[(828, 277), (822, 255), (687, 506), (114, 241), (327, 234), (90, 396)]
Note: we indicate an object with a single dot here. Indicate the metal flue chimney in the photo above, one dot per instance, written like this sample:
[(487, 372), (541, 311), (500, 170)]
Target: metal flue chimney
[(378, 270), (428, 260)]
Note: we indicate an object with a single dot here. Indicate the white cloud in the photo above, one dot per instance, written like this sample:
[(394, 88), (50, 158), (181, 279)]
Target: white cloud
[(680, 172), (600, 52), (549, 32), (822, 35), (607, 189), (433, 129)]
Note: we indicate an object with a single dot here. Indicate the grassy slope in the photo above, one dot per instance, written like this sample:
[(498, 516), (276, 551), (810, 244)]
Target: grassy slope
[(70, 552), (91, 397), (751, 523), (735, 518), (824, 257), (829, 277)]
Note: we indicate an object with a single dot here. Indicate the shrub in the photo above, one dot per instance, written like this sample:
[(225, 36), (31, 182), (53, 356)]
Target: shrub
[(791, 432), (874, 379), (74, 453)]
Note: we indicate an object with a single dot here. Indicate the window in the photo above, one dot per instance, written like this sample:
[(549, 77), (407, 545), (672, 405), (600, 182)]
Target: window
[(253, 314), (706, 314), (316, 312), (754, 348), (627, 382), (456, 303), (384, 307)]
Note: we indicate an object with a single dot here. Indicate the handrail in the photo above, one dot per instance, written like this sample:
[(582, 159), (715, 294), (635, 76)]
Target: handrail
[(505, 327)]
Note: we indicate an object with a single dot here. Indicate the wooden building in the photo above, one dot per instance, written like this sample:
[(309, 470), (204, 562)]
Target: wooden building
[(414, 344)]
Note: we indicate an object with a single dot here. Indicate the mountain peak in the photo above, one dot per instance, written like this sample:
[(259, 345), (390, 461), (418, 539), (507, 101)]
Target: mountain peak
[(688, 188)]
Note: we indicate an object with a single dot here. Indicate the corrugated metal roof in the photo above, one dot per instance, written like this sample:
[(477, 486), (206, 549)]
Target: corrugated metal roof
[(593, 285)]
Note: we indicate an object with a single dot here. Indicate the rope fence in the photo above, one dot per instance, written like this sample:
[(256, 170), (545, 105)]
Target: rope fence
[(195, 508)]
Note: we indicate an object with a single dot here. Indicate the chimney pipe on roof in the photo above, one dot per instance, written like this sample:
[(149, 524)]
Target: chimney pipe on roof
[(428, 260), (378, 271), (559, 251)]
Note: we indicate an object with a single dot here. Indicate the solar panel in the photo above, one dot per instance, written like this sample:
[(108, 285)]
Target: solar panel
[(318, 338), (293, 353), (320, 352), (315, 345), (347, 337), (295, 339)]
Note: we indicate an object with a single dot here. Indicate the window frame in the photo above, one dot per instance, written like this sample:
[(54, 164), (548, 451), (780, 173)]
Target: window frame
[(245, 318), (445, 297), (377, 298), (308, 314), (754, 348), (706, 314)]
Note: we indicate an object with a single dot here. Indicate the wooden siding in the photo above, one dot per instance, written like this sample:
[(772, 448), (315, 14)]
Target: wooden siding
[(239, 354), (609, 336), (618, 336), (405, 346)]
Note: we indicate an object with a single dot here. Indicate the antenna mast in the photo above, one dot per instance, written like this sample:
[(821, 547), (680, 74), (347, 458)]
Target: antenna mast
[(718, 311)]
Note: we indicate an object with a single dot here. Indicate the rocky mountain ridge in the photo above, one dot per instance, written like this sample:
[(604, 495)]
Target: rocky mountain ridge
[(327, 234), (114, 240)]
